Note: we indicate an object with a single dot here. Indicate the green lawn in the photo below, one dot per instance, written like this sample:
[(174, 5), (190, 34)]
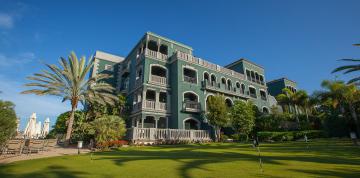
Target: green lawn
[(323, 158)]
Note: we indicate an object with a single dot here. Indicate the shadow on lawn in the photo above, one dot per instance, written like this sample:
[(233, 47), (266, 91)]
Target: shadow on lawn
[(50, 171), (191, 158)]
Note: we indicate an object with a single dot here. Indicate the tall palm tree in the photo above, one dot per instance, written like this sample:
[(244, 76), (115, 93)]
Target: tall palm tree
[(290, 99), (70, 82), (350, 68)]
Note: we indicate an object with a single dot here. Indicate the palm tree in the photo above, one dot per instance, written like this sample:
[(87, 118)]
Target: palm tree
[(290, 99), (69, 82), (350, 68), (342, 96)]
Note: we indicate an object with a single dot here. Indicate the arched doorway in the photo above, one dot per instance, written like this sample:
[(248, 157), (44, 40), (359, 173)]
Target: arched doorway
[(191, 124), (149, 122)]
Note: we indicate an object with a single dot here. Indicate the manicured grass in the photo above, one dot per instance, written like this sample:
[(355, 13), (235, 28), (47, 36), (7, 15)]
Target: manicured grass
[(323, 158)]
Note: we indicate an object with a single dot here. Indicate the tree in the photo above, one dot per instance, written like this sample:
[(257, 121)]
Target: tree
[(69, 82), (7, 121), (217, 113), (108, 128), (350, 68), (242, 117), (289, 99), (78, 132), (341, 96)]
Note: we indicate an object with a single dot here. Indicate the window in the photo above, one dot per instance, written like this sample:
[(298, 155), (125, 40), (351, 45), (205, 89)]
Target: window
[(162, 97), (262, 80), (248, 75), (229, 84), (152, 45), (257, 77), (150, 95), (213, 80), (237, 85), (252, 92), (265, 110), (242, 88), (252, 76), (190, 75), (263, 95), (108, 67), (163, 49)]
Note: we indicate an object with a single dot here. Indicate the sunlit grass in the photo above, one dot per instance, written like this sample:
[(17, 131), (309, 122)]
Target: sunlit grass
[(320, 158)]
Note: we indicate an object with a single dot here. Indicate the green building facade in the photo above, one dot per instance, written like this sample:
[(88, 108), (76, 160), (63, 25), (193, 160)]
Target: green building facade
[(168, 87)]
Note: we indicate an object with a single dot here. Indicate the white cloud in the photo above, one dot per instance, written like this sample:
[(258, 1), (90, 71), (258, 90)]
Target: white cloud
[(6, 21), (21, 59), (44, 106)]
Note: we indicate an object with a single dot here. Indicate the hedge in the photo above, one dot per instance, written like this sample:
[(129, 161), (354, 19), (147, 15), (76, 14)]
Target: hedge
[(290, 136)]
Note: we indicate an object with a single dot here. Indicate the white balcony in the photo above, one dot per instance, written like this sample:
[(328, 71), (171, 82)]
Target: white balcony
[(162, 106), (156, 55), (158, 79)]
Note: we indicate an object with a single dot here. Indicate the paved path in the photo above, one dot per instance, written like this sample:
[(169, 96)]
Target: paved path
[(43, 154)]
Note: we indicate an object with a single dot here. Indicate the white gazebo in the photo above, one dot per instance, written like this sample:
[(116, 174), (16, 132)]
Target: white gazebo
[(46, 128)]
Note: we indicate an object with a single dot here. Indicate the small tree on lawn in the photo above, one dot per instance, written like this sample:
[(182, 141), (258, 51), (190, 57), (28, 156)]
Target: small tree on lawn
[(108, 128), (7, 121), (242, 117), (217, 114)]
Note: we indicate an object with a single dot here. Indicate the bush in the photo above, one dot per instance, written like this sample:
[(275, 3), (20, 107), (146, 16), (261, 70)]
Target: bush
[(241, 137), (290, 136), (7, 121), (224, 138)]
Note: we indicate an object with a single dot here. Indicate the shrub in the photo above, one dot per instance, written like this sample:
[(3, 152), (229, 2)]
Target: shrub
[(224, 137), (290, 136), (241, 137)]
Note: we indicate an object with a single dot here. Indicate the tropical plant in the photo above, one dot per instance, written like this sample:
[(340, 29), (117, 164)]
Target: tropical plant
[(291, 100), (217, 114), (108, 128), (242, 117), (350, 68), (341, 96), (7, 121), (70, 82)]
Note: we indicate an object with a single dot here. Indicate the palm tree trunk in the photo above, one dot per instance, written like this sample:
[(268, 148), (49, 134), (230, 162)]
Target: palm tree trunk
[(354, 116), (297, 117), (70, 123)]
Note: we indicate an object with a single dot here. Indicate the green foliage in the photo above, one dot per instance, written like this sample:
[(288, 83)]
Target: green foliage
[(217, 113), (290, 136), (350, 68), (108, 128), (70, 81), (79, 133), (7, 121), (242, 117), (241, 137)]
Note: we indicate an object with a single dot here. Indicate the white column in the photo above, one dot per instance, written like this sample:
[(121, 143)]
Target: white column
[(142, 122), (157, 94), (156, 123)]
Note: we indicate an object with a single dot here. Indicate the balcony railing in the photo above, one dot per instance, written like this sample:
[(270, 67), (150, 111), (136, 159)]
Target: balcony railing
[(158, 79), (156, 55), (139, 135), (191, 106), (149, 104), (189, 79), (253, 95), (217, 87), (162, 106)]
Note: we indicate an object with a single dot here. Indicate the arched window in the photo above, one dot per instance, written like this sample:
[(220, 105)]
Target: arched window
[(252, 91), (223, 82), (191, 102), (242, 88), (163, 49), (149, 122), (190, 96), (213, 80), (158, 71), (206, 78), (257, 77), (265, 110), (229, 102), (252, 76), (190, 75), (150, 95), (238, 85), (152, 45), (229, 84), (191, 124)]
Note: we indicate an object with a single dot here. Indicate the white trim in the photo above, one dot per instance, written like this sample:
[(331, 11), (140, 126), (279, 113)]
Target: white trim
[(266, 108), (232, 102), (203, 77), (210, 94), (192, 118), (191, 68), (167, 72), (183, 94)]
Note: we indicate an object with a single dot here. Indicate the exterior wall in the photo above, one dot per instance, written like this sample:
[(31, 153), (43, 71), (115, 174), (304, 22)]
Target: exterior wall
[(178, 56), (275, 87)]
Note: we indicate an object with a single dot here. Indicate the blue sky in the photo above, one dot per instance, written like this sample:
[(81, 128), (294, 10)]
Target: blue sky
[(301, 40)]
